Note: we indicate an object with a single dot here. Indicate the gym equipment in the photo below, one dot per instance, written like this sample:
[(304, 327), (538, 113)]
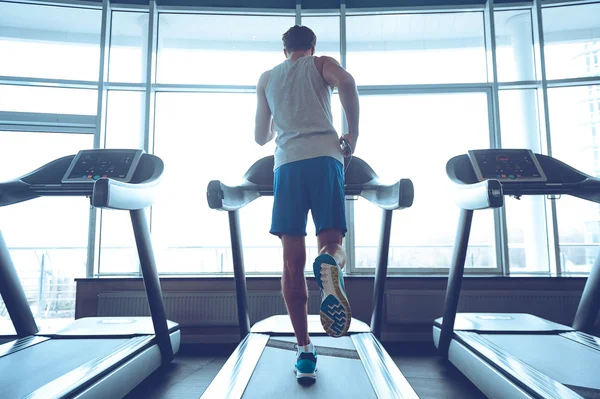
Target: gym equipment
[(92, 357), (514, 355), (355, 365)]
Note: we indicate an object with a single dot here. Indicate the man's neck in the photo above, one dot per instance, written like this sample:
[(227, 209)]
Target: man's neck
[(298, 54)]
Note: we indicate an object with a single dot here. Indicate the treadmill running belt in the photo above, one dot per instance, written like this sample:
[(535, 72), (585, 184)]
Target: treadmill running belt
[(321, 350), (341, 377), (43, 363), (559, 358)]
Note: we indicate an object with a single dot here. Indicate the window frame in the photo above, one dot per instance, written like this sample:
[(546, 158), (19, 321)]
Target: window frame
[(150, 87)]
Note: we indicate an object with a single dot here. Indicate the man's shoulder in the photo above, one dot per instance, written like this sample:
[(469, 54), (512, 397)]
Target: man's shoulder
[(264, 78), (322, 60)]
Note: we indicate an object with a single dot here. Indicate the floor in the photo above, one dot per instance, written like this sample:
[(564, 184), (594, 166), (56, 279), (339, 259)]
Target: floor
[(195, 366)]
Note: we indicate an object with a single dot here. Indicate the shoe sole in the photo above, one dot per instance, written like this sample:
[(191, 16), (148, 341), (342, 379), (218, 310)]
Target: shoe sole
[(305, 378), (335, 310)]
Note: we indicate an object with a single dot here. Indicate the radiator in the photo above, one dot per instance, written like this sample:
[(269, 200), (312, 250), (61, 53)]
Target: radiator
[(198, 308), (403, 307)]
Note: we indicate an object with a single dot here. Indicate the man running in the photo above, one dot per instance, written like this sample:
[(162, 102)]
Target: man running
[(294, 105)]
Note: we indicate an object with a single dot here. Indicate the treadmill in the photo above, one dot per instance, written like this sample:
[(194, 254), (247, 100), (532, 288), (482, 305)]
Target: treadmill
[(352, 366), (513, 355), (92, 357)]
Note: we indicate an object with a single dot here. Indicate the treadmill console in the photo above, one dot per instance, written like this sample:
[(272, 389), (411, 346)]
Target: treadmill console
[(506, 165), (91, 165)]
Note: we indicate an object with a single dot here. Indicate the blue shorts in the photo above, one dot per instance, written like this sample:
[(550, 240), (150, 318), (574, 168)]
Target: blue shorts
[(316, 184)]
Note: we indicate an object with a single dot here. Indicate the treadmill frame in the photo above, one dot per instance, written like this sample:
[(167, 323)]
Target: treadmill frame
[(455, 345)]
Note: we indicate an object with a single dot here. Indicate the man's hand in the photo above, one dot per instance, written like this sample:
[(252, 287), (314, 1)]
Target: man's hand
[(348, 144)]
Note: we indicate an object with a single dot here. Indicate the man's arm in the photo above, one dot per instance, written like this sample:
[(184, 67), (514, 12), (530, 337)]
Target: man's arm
[(335, 75), (264, 130)]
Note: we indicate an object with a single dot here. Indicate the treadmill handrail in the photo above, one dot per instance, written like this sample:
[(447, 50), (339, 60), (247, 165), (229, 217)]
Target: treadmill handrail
[(140, 193), (562, 179), (113, 194), (360, 180), (483, 195)]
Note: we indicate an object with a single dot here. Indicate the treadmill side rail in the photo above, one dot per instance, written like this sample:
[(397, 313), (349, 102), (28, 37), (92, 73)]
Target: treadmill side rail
[(386, 379), (526, 377), (233, 378)]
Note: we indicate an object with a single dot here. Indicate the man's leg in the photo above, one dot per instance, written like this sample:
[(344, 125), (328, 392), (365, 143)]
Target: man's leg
[(329, 242), (290, 208), (328, 210), (295, 295), (293, 285)]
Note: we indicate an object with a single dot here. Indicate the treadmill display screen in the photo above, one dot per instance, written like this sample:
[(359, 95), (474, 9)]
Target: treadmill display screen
[(91, 165), (506, 165)]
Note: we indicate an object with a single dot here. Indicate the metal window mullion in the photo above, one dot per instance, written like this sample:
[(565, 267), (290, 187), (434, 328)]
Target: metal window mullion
[(151, 60), (48, 82), (62, 3), (558, 3), (298, 12), (95, 220), (239, 11), (424, 88), (150, 93), (495, 135), (419, 9), (573, 82), (350, 239), (552, 219)]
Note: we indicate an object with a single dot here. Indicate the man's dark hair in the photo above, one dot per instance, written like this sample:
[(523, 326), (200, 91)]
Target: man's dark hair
[(299, 38)]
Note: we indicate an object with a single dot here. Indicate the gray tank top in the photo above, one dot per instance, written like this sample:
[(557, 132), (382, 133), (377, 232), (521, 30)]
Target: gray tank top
[(300, 101)]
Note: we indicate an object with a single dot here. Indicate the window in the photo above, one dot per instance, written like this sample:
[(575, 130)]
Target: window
[(399, 144), (128, 47), (209, 49), (327, 30), (118, 253), (572, 143), (200, 140), (49, 100), (571, 34), (525, 218), (416, 48), (514, 45), (46, 237), (49, 42)]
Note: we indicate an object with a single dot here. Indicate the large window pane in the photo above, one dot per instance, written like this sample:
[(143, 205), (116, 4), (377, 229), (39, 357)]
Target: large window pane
[(572, 41), (526, 218), (416, 48), (49, 42), (413, 136), (219, 49), (118, 253), (124, 119), (327, 30), (128, 47), (46, 237), (514, 45), (48, 100), (575, 125), (199, 141)]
